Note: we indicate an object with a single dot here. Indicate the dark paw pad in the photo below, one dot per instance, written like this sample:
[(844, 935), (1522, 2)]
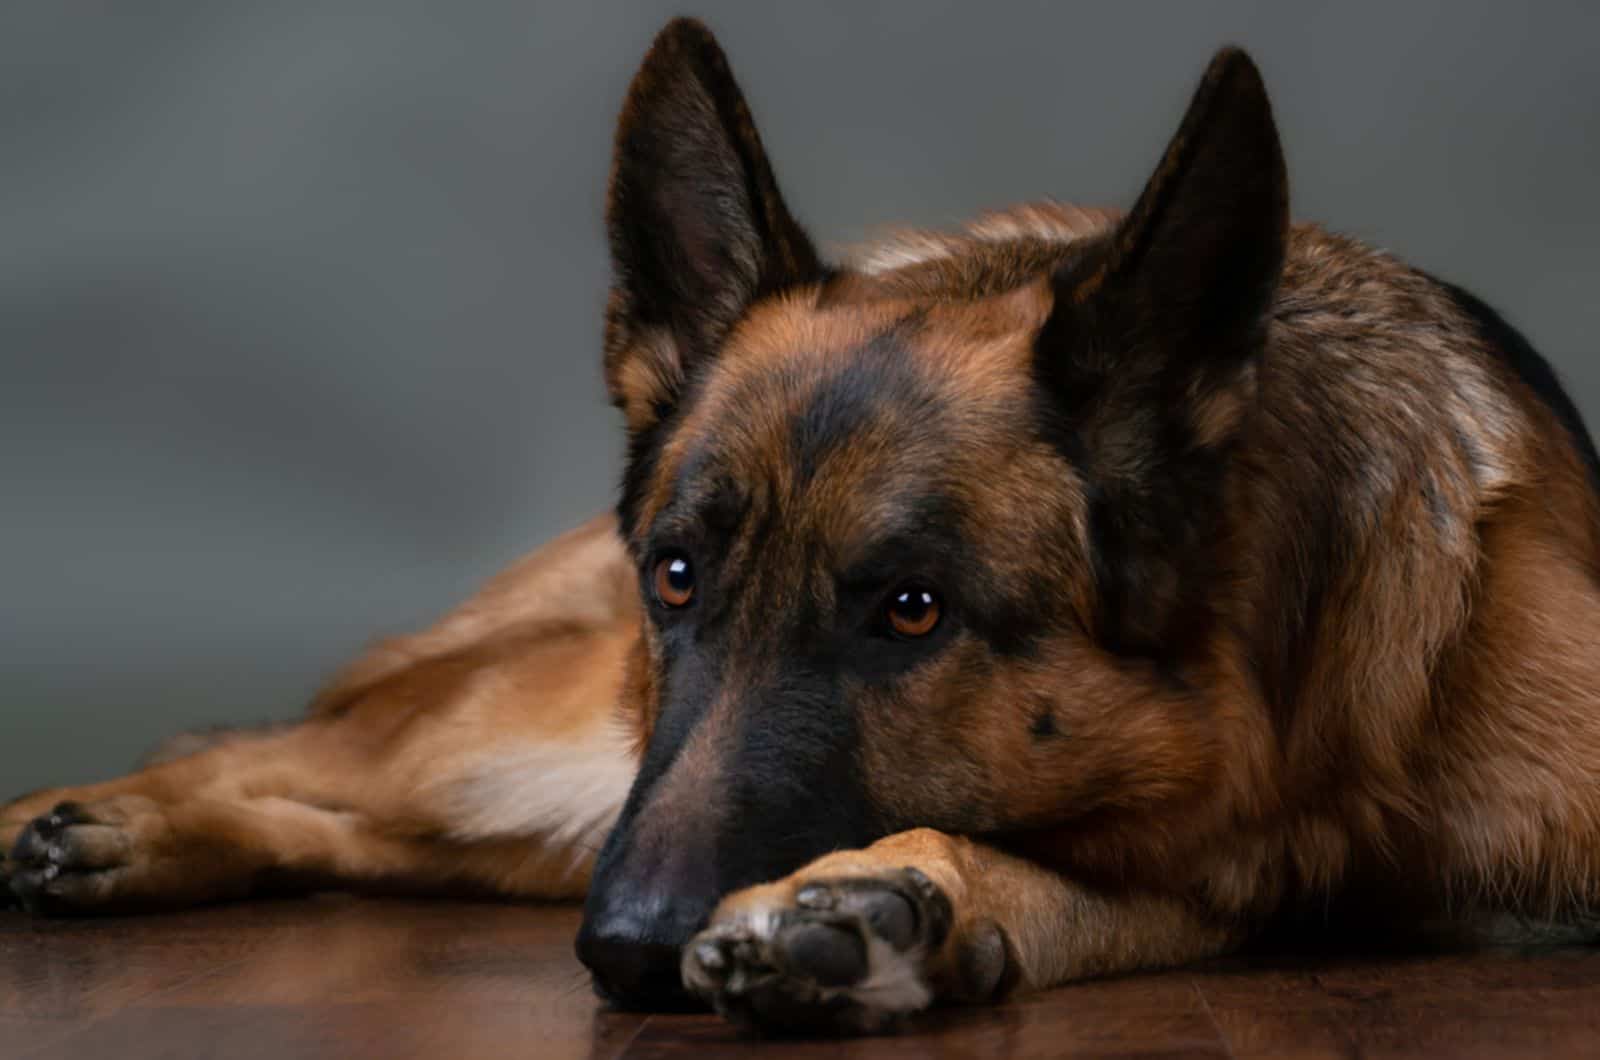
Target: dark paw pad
[(903, 908), (831, 954)]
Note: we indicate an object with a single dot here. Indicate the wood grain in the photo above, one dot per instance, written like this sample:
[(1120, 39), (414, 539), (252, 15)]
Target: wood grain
[(340, 977)]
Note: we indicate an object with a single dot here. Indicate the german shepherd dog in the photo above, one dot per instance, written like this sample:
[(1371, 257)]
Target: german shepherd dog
[(1076, 593)]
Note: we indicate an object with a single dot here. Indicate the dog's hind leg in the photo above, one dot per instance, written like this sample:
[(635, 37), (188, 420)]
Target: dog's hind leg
[(483, 756)]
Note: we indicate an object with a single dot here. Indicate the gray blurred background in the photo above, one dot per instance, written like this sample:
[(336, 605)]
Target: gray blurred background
[(299, 303)]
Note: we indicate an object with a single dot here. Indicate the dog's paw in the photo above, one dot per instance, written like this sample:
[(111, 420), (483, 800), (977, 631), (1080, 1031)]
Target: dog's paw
[(15, 817), (837, 955), (71, 859)]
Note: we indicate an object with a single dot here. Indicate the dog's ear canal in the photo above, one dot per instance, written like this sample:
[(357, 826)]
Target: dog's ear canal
[(697, 227), (1147, 357)]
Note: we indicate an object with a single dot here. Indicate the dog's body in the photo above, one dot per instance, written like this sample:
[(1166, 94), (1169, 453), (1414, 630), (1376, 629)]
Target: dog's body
[(1088, 591)]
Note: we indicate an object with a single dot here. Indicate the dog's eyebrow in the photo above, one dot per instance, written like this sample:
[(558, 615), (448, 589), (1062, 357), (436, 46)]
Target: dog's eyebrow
[(707, 501), (917, 531)]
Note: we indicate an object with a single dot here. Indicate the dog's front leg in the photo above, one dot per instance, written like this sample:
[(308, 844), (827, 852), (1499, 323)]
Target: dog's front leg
[(858, 939)]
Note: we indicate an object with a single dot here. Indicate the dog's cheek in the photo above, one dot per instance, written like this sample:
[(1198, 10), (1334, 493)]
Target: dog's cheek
[(932, 744), (983, 742)]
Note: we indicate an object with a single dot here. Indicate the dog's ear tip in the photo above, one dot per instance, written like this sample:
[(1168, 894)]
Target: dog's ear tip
[(683, 29), (678, 50), (1232, 59), (1230, 119), (684, 36), (1233, 83), (683, 52), (1232, 69)]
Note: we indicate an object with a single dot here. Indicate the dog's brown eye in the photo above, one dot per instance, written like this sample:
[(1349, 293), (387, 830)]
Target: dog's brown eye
[(674, 581), (913, 612)]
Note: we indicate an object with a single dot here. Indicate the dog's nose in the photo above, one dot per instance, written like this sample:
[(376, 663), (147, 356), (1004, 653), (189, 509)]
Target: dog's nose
[(634, 958), (633, 973)]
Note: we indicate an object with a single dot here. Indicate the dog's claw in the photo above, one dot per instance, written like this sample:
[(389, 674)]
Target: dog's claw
[(709, 954), (814, 897)]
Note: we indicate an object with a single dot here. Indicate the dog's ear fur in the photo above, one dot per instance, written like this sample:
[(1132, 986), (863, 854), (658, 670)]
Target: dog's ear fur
[(697, 227), (1147, 355)]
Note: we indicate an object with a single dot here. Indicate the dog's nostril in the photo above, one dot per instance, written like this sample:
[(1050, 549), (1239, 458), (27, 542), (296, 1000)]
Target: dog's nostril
[(632, 973)]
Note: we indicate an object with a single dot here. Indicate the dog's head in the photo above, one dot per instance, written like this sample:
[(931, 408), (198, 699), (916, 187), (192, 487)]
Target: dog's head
[(924, 541)]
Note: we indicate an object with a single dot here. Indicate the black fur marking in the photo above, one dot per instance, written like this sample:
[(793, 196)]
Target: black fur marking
[(1151, 538), (878, 381), (1513, 348), (786, 786), (1165, 312), (797, 790)]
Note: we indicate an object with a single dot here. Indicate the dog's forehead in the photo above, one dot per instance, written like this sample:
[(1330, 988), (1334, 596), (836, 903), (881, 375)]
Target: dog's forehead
[(854, 414)]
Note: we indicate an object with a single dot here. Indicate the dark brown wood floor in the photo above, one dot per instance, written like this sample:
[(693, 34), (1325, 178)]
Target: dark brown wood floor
[(342, 977)]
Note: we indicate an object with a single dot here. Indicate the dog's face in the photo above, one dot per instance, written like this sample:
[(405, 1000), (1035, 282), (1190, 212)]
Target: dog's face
[(920, 546)]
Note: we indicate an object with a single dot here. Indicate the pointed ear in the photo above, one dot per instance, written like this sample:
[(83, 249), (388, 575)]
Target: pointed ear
[(697, 227), (1203, 245), (1147, 350)]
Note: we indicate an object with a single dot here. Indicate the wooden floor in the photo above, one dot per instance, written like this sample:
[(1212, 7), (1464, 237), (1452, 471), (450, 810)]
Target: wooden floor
[(340, 977)]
